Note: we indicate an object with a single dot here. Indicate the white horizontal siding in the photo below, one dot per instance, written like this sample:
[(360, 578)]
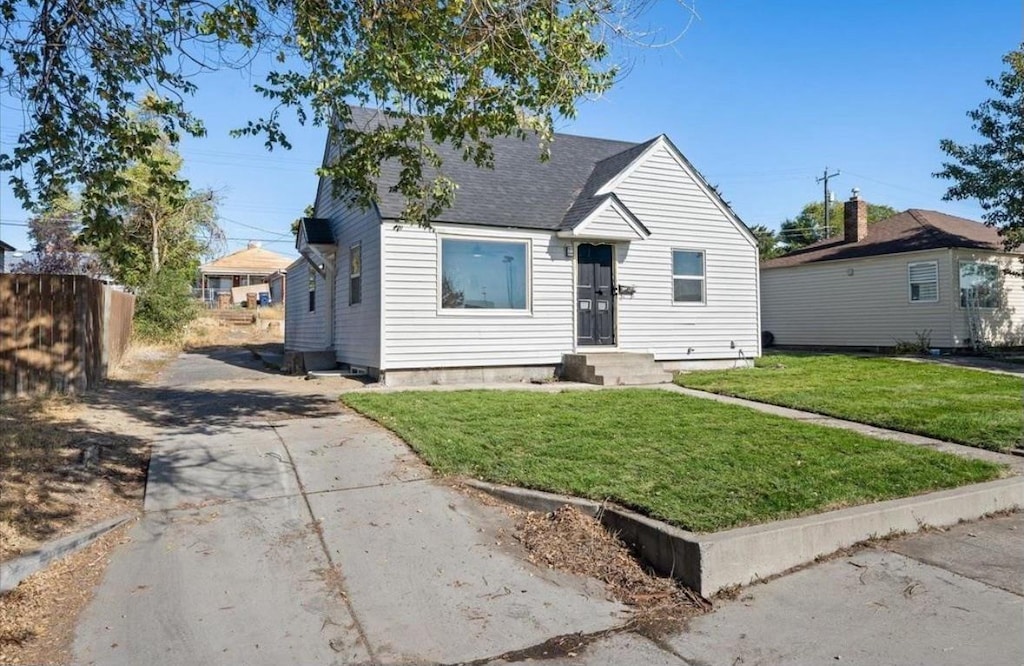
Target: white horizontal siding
[(608, 224), (356, 327), (304, 330), (1000, 326), (680, 215), (857, 302), (418, 336)]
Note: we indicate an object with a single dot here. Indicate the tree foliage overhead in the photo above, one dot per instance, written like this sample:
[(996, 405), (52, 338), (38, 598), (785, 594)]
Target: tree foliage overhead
[(993, 171), (809, 226), (56, 245), (458, 70)]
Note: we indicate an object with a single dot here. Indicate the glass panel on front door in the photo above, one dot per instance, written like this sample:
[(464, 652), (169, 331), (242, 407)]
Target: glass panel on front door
[(595, 295)]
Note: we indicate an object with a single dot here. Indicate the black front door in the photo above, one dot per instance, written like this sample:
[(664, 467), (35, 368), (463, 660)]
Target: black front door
[(595, 300)]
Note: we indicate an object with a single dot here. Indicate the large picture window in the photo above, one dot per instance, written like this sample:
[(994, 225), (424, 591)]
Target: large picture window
[(980, 283), (688, 276), (484, 275), (923, 280)]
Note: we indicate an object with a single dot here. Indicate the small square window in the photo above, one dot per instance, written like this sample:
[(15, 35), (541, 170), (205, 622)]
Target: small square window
[(923, 281)]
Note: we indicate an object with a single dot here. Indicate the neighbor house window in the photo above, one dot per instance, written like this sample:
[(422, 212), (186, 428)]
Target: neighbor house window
[(923, 278), (980, 283), (312, 292), (484, 275), (688, 276), (355, 274)]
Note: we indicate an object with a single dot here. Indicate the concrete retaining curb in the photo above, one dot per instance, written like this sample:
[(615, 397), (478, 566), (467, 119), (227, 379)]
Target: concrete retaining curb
[(18, 569), (709, 563)]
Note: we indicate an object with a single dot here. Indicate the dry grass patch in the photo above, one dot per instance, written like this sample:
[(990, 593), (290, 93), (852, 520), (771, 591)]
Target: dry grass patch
[(38, 618), (60, 474)]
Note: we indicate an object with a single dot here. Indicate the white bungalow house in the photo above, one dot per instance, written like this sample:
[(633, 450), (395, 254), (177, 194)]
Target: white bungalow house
[(918, 276), (612, 262)]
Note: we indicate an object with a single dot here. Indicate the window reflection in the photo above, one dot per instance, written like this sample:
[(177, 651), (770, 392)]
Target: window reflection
[(483, 275)]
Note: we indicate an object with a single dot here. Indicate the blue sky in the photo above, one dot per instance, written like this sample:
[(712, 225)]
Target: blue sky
[(760, 96)]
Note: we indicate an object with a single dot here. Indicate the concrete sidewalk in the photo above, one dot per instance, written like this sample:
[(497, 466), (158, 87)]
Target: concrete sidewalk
[(318, 540)]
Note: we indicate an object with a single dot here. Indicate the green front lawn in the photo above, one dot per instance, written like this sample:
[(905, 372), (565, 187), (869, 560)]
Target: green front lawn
[(698, 464), (953, 404)]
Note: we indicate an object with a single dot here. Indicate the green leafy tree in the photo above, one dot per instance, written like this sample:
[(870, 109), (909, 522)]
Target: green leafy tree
[(992, 172), (459, 71), (161, 230), (56, 246), (809, 226), (767, 242)]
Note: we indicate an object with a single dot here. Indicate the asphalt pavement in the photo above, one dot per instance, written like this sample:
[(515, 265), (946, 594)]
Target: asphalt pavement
[(279, 530)]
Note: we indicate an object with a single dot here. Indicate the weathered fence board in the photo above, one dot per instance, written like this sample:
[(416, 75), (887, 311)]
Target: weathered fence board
[(59, 332)]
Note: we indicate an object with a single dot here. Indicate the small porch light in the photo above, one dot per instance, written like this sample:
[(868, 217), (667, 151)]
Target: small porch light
[(569, 251)]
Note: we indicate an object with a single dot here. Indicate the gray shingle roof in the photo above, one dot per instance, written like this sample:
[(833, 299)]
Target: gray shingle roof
[(520, 191), (909, 231)]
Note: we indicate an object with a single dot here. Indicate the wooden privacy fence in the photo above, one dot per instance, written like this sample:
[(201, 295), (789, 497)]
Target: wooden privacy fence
[(59, 332)]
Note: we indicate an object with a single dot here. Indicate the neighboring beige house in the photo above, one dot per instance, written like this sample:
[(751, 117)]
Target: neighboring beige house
[(251, 267), (918, 274)]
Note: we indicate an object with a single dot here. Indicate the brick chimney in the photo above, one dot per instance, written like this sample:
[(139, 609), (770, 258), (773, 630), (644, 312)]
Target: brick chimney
[(855, 218)]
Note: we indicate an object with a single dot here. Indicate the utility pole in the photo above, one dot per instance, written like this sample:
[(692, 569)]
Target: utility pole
[(825, 176)]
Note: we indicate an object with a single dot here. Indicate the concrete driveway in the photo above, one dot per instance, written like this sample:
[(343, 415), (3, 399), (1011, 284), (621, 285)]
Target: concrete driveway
[(278, 530), (270, 539)]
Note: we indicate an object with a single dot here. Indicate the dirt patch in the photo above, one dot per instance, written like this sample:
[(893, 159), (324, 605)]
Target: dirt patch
[(61, 473), (208, 331), (569, 540), (38, 618)]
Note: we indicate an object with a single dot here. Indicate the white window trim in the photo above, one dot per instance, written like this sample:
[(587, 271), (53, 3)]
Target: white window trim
[(484, 312), (910, 294), (959, 286), (703, 278)]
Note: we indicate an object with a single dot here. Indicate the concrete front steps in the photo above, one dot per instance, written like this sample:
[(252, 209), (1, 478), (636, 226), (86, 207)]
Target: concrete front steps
[(613, 369)]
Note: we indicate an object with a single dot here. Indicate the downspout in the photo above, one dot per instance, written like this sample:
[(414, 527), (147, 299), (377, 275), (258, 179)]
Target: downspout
[(331, 278)]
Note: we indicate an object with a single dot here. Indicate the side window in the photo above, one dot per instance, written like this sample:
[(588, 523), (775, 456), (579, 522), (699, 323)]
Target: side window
[(979, 284), (923, 281), (355, 274), (688, 276), (312, 291)]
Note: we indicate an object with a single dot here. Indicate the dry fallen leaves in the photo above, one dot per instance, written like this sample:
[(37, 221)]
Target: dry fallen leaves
[(569, 540)]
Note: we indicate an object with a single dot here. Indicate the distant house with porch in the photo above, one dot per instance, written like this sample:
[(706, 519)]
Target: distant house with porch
[(251, 267)]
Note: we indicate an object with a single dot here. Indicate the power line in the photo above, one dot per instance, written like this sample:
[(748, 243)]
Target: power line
[(253, 227)]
